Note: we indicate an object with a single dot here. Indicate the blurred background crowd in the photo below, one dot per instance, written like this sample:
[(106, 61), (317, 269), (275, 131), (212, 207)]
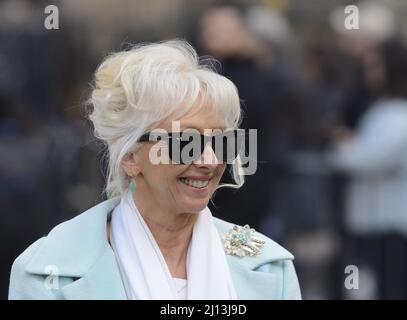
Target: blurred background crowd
[(329, 104)]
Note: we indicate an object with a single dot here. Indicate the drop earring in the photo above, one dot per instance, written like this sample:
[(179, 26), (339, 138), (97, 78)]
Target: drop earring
[(132, 185)]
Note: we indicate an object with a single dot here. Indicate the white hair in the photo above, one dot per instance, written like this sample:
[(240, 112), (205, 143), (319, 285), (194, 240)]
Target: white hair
[(136, 89)]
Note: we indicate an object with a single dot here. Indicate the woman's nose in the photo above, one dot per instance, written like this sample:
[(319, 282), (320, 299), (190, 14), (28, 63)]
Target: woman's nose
[(207, 158)]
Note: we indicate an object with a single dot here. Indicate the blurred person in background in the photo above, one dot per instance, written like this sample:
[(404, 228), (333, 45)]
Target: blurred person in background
[(352, 46), (374, 155)]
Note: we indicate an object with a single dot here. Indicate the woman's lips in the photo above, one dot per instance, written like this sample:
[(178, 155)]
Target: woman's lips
[(195, 183), (197, 187)]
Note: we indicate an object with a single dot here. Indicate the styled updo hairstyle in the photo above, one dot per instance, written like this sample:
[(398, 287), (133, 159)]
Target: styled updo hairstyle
[(135, 90)]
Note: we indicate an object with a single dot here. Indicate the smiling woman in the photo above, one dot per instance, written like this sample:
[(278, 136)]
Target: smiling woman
[(155, 238)]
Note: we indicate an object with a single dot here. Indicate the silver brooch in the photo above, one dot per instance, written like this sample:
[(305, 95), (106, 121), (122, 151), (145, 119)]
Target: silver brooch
[(239, 241)]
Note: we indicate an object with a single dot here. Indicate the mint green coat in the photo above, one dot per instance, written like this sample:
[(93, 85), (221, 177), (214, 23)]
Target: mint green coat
[(75, 261)]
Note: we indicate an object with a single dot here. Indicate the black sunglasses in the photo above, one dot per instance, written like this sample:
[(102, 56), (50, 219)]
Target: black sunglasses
[(186, 147)]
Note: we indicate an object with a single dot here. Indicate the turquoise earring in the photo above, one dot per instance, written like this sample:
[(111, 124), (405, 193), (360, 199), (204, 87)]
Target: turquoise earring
[(132, 185)]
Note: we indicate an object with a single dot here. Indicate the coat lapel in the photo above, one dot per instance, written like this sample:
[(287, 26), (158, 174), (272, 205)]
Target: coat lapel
[(102, 282), (250, 284), (78, 250), (258, 277)]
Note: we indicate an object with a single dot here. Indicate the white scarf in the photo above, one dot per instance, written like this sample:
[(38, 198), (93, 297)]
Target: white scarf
[(144, 271)]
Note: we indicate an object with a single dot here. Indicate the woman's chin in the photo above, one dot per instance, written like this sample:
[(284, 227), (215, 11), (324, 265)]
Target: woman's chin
[(194, 205), (194, 199)]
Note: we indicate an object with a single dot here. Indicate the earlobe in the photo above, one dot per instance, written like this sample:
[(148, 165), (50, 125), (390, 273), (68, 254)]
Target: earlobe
[(130, 164)]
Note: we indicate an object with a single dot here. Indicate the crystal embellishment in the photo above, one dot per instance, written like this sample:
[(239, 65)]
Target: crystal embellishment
[(240, 241)]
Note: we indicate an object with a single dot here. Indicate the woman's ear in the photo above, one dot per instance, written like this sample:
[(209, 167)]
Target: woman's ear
[(130, 163)]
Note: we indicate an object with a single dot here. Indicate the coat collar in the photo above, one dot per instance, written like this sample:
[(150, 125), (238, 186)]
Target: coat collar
[(79, 249)]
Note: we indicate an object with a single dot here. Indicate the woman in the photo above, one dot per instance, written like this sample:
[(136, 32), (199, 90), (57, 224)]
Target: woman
[(155, 238)]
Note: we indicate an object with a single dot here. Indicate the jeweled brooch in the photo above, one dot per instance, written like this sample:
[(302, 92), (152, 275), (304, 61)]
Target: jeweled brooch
[(239, 241)]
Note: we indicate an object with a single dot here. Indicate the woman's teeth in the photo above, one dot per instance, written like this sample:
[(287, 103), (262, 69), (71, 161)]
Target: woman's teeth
[(195, 183)]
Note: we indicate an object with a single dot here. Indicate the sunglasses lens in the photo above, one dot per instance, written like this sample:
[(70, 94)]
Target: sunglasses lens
[(184, 148), (187, 147), (228, 145)]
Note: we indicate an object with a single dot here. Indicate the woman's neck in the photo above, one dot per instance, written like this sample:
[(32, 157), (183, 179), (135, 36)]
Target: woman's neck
[(172, 232)]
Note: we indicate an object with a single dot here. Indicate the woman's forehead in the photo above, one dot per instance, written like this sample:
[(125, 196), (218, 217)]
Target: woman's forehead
[(199, 119)]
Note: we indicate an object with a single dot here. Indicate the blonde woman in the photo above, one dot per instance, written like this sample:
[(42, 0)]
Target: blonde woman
[(155, 238)]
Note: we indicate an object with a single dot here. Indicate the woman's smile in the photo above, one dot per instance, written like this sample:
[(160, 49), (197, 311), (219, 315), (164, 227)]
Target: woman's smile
[(196, 186)]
